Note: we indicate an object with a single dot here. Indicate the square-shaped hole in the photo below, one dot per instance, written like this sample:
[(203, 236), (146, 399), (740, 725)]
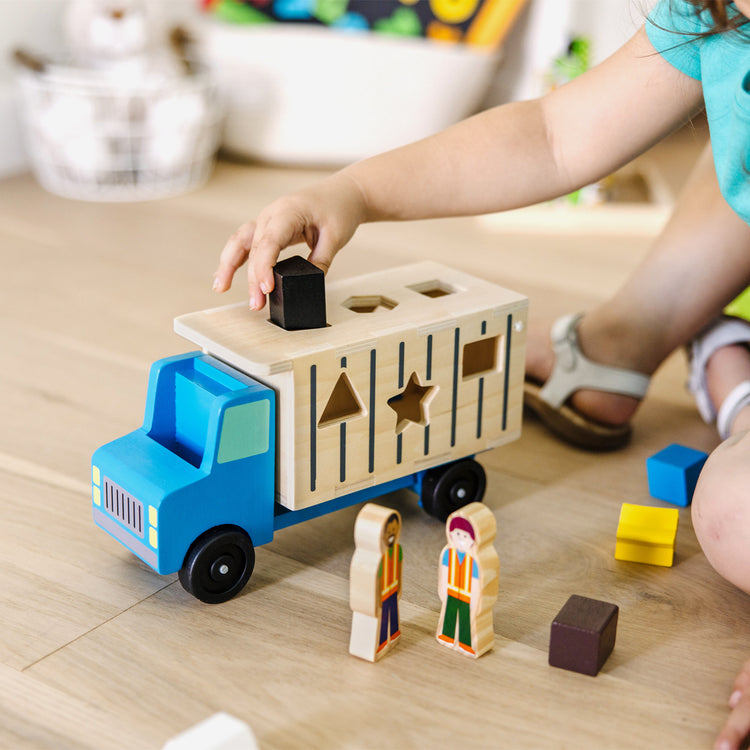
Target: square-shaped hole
[(480, 357)]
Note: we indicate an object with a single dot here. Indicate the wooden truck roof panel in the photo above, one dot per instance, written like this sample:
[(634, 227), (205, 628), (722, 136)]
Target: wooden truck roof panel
[(359, 310)]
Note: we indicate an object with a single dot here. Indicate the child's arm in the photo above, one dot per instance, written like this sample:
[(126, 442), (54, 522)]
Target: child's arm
[(510, 156)]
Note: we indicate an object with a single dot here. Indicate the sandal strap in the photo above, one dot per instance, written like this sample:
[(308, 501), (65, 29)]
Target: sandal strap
[(738, 399), (573, 371), (724, 331)]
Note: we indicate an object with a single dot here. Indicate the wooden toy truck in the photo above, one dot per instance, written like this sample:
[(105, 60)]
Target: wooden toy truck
[(419, 368)]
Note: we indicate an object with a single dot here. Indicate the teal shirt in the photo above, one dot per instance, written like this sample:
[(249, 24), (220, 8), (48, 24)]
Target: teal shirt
[(722, 63)]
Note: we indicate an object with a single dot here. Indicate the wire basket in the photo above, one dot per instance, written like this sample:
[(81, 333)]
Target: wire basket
[(94, 137)]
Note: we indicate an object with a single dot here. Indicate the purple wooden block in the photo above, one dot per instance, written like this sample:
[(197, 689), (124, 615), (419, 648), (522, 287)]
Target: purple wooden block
[(583, 635)]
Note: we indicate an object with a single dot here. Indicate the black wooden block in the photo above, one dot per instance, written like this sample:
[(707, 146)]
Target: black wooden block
[(583, 635), (298, 300)]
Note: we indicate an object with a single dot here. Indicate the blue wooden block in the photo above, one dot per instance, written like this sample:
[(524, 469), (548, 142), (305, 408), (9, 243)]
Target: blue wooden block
[(673, 473)]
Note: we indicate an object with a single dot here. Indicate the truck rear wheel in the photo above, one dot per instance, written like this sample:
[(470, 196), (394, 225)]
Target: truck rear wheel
[(218, 564), (447, 488)]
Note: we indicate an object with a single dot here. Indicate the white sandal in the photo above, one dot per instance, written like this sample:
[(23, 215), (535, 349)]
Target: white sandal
[(738, 399), (725, 331), (573, 371)]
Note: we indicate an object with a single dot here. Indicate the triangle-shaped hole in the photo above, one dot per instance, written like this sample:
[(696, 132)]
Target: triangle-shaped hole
[(343, 403)]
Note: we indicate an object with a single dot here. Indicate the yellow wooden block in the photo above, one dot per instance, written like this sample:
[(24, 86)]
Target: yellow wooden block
[(646, 534)]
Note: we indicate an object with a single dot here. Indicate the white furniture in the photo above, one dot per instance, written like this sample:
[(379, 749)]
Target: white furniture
[(308, 95)]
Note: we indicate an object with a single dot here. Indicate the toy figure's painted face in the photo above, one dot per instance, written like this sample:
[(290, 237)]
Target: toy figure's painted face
[(453, 11), (461, 540), (390, 533)]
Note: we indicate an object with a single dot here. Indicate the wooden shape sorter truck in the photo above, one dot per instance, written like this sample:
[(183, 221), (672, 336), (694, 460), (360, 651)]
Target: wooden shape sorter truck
[(418, 369)]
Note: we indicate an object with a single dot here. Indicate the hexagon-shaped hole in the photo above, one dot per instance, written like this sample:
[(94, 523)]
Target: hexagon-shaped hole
[(369, 303)]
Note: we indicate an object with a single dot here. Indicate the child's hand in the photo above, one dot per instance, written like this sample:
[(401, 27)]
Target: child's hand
[(324, 216), (737, 726)]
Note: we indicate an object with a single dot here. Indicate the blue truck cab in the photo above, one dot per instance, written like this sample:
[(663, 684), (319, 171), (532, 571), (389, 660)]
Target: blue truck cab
[(203, 459)]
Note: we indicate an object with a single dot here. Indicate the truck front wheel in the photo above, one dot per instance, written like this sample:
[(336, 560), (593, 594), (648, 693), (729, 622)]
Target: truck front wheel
[(447, 488), (218, 564)]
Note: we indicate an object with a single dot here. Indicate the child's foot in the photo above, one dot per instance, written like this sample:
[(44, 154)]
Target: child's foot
[(591, 388), (607, 408)]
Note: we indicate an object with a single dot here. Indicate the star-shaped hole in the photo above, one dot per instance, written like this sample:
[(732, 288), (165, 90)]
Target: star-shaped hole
[(411, 405)]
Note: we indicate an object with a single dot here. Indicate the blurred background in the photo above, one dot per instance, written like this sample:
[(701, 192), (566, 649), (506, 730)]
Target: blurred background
[(301, 82)]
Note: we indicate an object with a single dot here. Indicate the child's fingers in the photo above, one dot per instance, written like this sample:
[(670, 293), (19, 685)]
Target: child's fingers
[(260, 271), (737, 726), (273, 235), (323, 252), (741, 684), (233, 255), (288, 221)]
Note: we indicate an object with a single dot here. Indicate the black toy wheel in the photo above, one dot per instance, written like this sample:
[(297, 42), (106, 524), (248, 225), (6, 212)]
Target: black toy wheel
[(218, 564), (447, 488)]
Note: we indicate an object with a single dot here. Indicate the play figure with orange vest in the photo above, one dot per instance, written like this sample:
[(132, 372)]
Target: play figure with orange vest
[(468, 581), (375, 582)]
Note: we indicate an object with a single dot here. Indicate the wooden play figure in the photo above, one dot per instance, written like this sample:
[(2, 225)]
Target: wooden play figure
[(468, 581), (375, 582)]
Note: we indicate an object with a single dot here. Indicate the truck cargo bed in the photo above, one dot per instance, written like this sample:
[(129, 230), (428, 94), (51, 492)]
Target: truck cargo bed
[(419, 365)]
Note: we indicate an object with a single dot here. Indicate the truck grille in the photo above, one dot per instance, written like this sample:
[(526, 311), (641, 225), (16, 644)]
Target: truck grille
[(124, 507)]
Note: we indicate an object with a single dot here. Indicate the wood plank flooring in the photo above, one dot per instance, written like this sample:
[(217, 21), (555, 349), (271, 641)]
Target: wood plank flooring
[(97, 651)]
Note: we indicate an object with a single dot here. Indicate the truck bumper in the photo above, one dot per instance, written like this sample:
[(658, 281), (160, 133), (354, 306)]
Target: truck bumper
[(123, 536)]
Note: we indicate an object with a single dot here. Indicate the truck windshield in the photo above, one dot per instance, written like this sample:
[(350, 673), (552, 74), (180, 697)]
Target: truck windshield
[(244, 431)]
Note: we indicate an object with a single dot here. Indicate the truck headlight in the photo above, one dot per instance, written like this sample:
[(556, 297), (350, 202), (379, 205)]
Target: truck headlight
[(153, 523), (96, 478)]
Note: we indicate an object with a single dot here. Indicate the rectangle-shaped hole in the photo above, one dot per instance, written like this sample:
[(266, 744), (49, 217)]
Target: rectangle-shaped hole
[(480, 357)]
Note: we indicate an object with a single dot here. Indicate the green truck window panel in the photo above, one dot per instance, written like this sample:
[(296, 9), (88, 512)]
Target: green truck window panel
[(245, 431)]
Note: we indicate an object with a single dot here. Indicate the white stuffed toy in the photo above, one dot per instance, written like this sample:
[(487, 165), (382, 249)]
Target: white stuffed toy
[(125, 113), (124, 37)]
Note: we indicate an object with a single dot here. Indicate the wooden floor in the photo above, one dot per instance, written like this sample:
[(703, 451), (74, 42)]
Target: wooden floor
[(97, 651)]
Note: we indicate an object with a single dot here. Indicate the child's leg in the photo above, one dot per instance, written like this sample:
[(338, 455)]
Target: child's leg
[(721, 503), (699, 263)]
